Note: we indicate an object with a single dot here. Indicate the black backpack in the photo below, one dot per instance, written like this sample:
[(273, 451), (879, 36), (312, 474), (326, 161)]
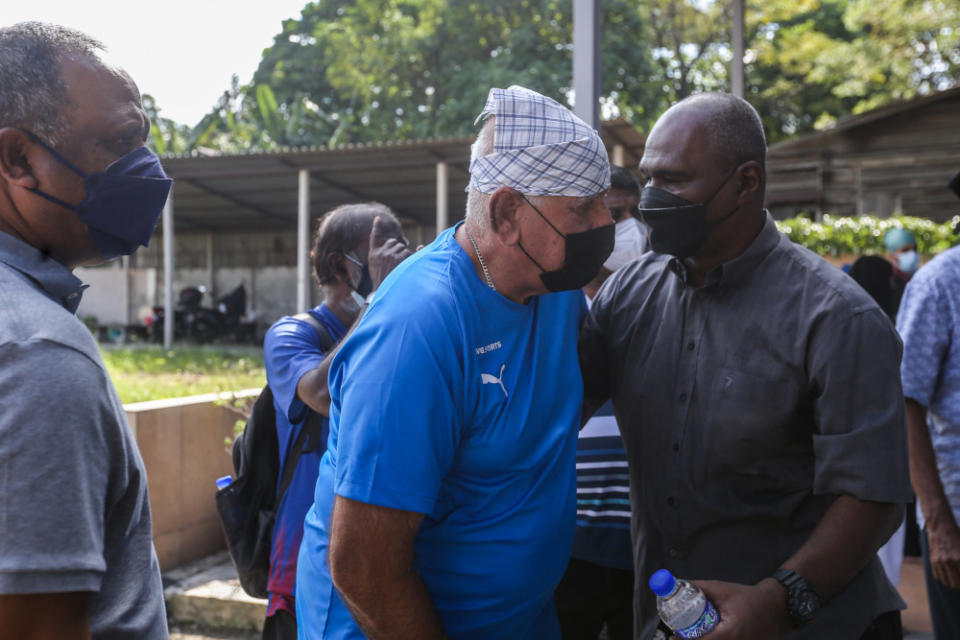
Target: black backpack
[(247, 507)]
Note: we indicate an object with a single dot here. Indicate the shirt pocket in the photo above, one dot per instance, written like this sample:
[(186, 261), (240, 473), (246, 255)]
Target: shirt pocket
[(754, 433)]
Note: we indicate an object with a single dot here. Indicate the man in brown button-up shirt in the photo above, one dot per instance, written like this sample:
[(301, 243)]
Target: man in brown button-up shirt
[(758, 396)]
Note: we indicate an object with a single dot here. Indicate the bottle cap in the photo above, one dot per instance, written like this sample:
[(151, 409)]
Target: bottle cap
[(225, 481), (662, 583)]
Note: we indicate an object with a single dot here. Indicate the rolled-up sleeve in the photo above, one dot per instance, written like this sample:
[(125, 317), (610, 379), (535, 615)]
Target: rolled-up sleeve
[(858, 408)]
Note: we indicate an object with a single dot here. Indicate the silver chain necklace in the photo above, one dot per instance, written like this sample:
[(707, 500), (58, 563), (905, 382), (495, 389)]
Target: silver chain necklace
[(483, 265)]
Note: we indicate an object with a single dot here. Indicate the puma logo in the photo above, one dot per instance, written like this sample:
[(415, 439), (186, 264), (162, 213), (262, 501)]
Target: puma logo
[(488, 378)]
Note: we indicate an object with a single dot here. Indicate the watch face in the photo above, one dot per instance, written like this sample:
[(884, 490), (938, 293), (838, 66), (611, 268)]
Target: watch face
[(806, 604)]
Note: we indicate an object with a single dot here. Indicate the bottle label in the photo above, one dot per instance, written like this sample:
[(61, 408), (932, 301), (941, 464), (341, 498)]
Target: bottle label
[(704, 624)]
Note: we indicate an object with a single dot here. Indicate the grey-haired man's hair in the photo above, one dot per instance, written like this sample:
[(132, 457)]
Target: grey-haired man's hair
[(734, 127), (477, 201), (32, 92)]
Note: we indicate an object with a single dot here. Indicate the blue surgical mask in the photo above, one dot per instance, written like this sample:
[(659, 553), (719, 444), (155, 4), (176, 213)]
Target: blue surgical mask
[(908, 261), (123, 202)]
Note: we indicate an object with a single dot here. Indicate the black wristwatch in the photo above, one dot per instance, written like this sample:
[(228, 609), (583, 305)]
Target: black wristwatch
[(803, 600)]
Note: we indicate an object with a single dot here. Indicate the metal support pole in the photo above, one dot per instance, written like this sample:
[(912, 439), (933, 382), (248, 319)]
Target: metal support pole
[(168, 267), (303, 241), (127, 290), (211, 276), (443, 214), (736, 65), (586, 61), (619, 157)]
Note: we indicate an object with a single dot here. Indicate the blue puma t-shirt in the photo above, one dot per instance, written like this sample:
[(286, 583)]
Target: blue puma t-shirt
[(455, 402)]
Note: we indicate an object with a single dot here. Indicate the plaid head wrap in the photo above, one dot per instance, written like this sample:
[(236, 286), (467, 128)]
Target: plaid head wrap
[(539, 148)]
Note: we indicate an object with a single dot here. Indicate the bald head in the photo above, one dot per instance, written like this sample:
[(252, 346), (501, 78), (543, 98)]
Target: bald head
[(730, 125)]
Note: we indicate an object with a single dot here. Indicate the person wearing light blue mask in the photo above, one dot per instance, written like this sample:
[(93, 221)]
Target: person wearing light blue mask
[(902, 252), (77, 187)]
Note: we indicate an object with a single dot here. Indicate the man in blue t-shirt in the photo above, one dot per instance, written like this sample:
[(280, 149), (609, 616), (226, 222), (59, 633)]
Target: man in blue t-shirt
[(445, 503), (354, 248)]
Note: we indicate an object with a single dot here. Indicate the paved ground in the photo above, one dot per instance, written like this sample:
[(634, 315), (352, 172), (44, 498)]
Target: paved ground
[(193, 632), (203, 597)]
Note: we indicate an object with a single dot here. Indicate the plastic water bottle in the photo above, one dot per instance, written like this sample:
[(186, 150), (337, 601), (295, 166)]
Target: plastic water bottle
[(683, 606), (224, 482)]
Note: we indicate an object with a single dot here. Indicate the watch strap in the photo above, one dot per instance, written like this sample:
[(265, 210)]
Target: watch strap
[(800, 596)]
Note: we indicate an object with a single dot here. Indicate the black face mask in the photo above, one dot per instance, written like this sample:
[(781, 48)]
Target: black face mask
[(585, 254), (678, 226), (365, 286)]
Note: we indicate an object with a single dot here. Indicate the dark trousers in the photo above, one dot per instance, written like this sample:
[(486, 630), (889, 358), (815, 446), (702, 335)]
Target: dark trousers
[(590, 596), (944, 601), (280, 626), (886, 627)]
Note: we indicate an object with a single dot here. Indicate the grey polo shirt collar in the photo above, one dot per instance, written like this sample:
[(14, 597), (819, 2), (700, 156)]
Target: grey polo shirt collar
[(730, 273), (54, 279)]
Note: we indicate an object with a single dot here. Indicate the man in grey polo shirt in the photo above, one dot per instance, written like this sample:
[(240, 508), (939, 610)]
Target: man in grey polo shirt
[(77, 186), (757, 394)]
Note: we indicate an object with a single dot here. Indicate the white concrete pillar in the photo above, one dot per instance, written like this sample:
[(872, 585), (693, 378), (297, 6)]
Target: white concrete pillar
[(127, 290), (443, 200), (211, 276), (619, 155), (168, 267), (303, 241)]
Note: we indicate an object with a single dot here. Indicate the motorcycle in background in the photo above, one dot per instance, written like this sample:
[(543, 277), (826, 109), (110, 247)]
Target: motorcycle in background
[(198, 324)]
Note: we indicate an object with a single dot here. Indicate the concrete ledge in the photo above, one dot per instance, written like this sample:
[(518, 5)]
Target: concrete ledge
[(167, 403), (207, 593), (184, 443)]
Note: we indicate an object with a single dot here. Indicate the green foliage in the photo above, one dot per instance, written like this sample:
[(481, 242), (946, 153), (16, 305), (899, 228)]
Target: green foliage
[(841, 235), (365, 71), (150, 373), (819, 60), (354, 71)]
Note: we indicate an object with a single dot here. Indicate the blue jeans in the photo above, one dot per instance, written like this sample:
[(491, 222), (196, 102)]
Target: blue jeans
[(944, 601)]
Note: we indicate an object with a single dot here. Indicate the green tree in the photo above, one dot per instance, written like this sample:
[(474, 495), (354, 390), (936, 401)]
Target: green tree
[(403, 69), (350, 71)]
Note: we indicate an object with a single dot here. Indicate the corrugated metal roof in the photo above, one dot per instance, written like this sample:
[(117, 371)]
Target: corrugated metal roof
[(257, 191)]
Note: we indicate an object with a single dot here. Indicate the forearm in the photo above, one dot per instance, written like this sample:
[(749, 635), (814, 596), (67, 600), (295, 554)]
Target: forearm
[(399, 609), (844, 541), (923, 470)]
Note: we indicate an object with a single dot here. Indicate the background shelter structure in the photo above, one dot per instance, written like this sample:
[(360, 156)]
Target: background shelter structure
[(249, 218), (893, 159)]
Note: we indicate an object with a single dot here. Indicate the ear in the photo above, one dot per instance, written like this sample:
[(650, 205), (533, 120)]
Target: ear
[(503, 210), (15, 167), (751, 181), (336, 263)]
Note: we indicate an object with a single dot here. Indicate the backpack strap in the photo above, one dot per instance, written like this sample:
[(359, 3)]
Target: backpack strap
[(326, 340), (311, 427)]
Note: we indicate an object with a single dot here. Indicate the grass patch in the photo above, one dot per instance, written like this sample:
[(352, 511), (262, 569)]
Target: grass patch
[(148, 372)]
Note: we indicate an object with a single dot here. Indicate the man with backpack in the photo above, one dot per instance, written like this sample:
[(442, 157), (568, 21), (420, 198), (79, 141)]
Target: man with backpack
[(354, 248)]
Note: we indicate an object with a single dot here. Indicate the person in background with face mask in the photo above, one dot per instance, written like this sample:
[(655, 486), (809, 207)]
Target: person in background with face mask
[(445, 502), (597, 588), (355, 247), (902, 252), (77, 187), (631, 239), (885, 279), (752, 384)]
